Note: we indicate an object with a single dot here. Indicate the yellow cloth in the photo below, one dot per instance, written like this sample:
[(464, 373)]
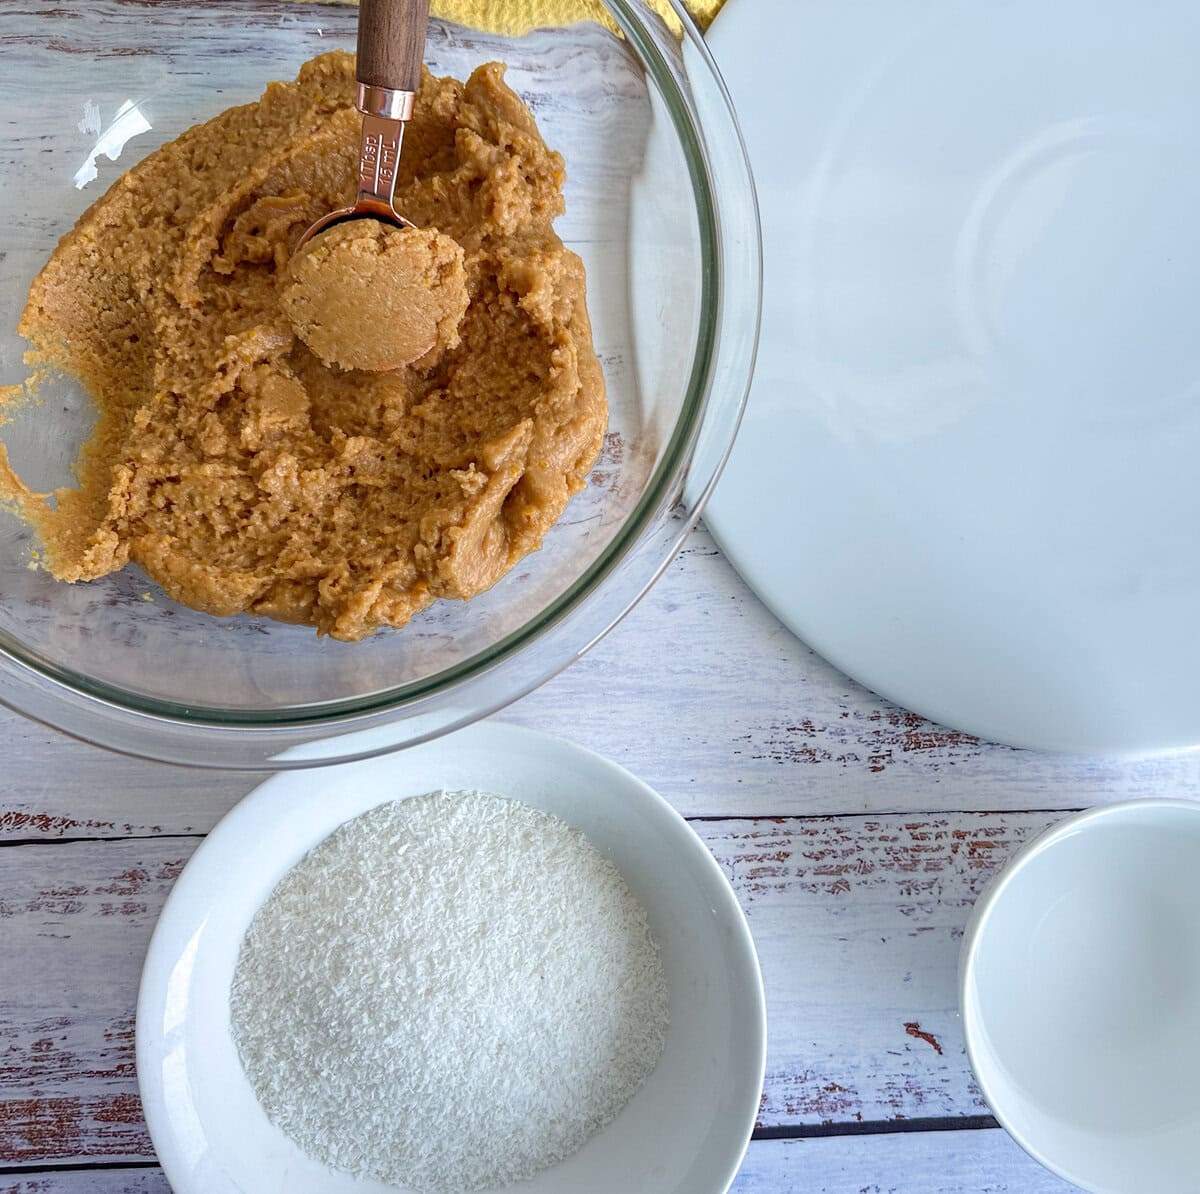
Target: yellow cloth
[(519, 16), (513, 17)]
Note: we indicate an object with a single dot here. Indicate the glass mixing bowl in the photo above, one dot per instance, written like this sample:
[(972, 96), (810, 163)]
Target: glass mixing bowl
[(660, 205)]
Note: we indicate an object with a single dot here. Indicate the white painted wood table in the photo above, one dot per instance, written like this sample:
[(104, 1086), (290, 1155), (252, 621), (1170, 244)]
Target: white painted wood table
[(857, 837)]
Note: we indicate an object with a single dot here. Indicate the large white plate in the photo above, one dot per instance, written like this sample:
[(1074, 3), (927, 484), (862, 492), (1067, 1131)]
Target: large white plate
[(684, 1132), (968, 470)]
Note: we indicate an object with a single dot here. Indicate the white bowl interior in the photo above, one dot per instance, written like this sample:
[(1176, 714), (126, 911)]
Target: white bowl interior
[(684, 1132), (1081, 997)]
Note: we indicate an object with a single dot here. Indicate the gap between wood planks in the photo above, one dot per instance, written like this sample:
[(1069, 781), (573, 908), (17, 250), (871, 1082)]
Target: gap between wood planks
[(800, 1132), (875, 1127), (872, 815), (39, 1167), (705, 818), (124, 837)]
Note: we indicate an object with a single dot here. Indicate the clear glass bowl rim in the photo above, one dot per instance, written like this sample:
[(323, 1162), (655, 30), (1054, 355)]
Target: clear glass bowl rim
[(83, 707)]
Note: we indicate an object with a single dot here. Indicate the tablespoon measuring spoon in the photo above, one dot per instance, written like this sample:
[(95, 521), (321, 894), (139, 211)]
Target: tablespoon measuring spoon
[(365, 288), (391, 49)]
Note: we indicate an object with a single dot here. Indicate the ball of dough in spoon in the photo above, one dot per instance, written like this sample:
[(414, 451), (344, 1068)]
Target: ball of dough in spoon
[(369, 295)]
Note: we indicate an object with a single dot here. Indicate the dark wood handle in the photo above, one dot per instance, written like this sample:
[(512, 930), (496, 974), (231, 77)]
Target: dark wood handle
[(391, 42)]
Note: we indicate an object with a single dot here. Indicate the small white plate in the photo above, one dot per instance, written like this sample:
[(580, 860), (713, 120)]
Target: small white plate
[(967, 471), (684, 1132), (1080, 997)]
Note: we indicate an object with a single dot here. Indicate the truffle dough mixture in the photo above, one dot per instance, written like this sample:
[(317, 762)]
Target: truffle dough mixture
[(236, 467)]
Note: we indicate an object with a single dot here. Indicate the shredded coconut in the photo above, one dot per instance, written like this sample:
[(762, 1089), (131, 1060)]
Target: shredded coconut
[(450, 992)]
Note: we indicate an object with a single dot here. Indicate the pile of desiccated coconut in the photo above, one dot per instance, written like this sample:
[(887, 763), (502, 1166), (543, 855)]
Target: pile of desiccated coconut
[(450, 992)]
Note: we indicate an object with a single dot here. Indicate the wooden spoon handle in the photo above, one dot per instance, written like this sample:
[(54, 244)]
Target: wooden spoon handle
[(391, 43)]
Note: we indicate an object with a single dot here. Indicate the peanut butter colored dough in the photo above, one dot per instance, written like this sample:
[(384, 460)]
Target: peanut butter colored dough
[(228, 460), (367, 295)]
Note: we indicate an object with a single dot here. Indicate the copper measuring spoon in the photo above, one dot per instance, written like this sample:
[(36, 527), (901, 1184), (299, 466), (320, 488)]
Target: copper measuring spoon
[(391, 49)]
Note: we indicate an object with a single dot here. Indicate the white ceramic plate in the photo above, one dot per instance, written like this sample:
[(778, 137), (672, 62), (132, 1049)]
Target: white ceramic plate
[(684, 1132), (1080, 996), (967, 473)]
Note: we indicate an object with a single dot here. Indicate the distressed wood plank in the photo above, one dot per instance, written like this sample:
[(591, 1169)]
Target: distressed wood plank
[(983, 1162), (705, 696), (711, 700), (88, 1181), (78, 917), (857, 921)]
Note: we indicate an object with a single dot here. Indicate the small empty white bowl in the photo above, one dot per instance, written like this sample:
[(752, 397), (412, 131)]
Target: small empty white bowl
[(1080, 997), (684, 1132)]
